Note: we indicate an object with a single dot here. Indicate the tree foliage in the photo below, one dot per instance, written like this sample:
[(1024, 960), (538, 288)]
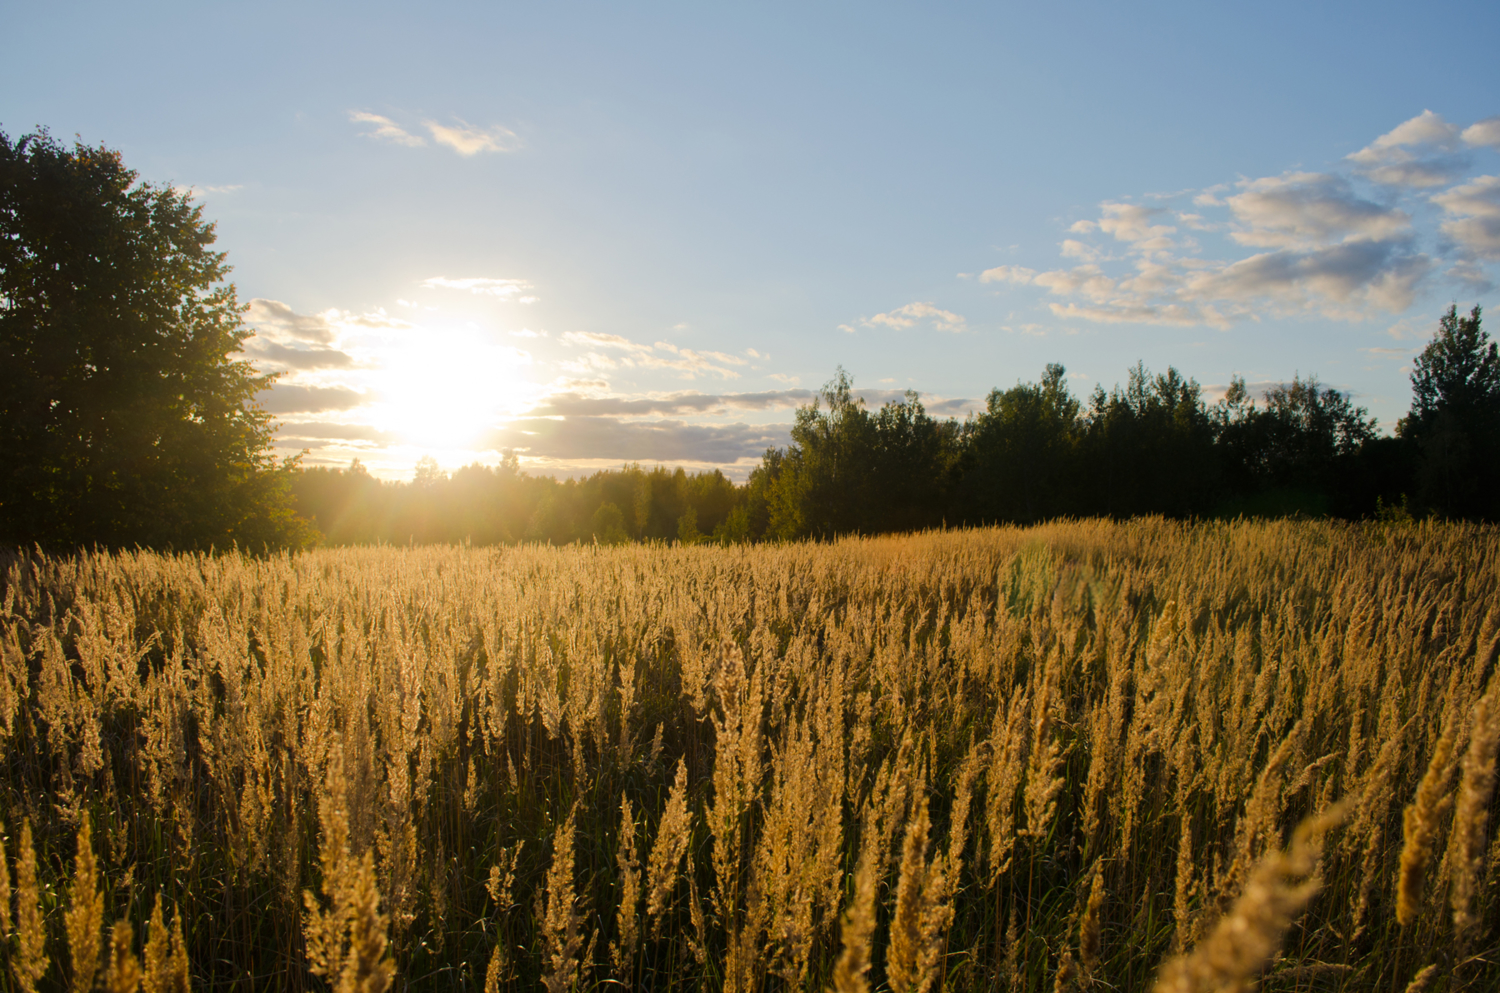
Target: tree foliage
[(124, 418), (1455, 419)]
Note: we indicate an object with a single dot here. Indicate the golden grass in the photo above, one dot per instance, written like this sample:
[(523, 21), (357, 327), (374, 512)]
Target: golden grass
[(1065, 757)]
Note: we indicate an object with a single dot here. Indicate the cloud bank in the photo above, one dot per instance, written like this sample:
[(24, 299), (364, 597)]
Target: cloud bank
[(1343, 243)]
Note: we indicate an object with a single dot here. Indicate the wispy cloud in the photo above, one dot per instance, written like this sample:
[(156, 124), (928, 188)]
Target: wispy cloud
[(333, 431), (572, 404), (913, 314), (386, 129), (287, 398), (1008, 274), (199, 192), (688, 362), (503, 288), (288, 357), (467, 140), (461, 136), (589, 437)]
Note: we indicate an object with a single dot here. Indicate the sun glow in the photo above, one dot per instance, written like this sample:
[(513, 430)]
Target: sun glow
[(448, 389)]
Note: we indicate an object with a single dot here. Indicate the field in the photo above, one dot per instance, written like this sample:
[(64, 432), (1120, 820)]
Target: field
[(1079, 756)]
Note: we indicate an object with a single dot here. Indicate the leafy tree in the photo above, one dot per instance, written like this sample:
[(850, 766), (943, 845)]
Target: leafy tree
[(1297, 451), (1149, 448), (124, 418), (1023, 451), (1455, 419), (822, 488), (608, 525), (913, 468)]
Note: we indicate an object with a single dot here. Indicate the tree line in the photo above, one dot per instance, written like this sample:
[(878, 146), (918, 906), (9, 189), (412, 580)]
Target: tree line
[(1153, 445), (127, 418)]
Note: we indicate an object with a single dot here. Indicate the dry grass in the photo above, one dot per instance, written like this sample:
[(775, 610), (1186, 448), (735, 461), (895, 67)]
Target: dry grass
[(1072, 756)]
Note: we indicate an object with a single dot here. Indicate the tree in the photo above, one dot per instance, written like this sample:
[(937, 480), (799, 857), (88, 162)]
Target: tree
[(1149, 448), (1296, 452), (1455, 419), (822, 486), (1022, 452), (124, 418)]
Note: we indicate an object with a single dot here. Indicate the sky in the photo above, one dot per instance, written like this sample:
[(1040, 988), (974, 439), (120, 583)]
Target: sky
[(602, 234)]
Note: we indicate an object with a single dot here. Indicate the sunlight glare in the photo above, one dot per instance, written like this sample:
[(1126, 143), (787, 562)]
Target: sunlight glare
[(448, 389)]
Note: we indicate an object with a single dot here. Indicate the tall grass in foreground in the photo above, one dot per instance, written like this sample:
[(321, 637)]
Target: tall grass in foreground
[(1084, 756)]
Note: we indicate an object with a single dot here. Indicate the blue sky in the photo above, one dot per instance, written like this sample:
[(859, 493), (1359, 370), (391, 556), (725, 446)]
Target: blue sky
[(601, 234)]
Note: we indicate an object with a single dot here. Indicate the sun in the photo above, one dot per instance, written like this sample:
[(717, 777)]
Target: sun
[(447, 389)]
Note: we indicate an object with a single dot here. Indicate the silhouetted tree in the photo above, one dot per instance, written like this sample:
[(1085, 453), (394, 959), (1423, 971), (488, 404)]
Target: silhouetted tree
[(1455, 420), (1149, 449), (912, 467), (1297, 451), (1022, 452), (124, 418), (823, 486)]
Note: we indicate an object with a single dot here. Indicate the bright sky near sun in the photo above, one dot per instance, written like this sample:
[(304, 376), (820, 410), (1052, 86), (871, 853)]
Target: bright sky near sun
[(601, 234)]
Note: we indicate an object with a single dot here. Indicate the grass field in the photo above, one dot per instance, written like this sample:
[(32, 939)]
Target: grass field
[(1079, 756)]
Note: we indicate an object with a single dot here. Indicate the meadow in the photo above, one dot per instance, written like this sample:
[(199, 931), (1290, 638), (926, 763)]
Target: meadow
[(1078, 756)]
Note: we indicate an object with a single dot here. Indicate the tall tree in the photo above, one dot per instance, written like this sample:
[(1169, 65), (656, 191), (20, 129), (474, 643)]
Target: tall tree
[(1455, 419), (1296, 451), (1023, 448), (124, 418), (822, 488), (1149, 448)]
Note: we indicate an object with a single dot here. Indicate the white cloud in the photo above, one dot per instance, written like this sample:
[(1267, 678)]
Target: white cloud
[(1197, 222), (1007, 274), (468, 140), (1426, 128), (1132, 223), (594, 339), (913, 313), (1319, 242), (1391, 159), (386, 129), (1485, 132), (1474, 212), (199, 192), (1088, 280), (503, 288), (637, 355), (1304, 209)]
